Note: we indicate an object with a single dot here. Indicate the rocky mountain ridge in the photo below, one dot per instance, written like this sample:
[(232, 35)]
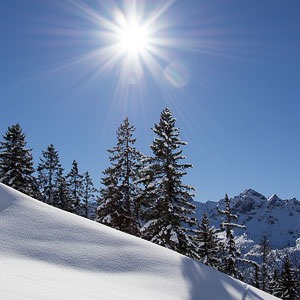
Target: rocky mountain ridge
[(278, 219)]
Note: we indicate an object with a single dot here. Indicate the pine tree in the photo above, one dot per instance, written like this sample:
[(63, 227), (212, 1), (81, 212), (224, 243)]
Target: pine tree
[(88, 194), (74, 182), (16, 162), (287, 283), (166, 199), (273, 284), (264, 269), (62, 197), (49, 173), (118, 201), (231, 253), (209, 245), (294, 258)]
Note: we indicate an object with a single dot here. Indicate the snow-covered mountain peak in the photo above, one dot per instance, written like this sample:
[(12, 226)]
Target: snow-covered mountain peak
[(250, 193), (278, 219), (248, 201), (273, 199)]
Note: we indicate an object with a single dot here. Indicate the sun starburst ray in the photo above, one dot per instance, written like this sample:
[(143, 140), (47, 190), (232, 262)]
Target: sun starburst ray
[(132, 40), (157, 13)]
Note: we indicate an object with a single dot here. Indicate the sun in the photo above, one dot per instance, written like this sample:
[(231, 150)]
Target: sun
[(131, 39), (134, 38)]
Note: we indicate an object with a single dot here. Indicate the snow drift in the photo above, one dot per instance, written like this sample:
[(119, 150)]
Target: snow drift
[(46, 253)]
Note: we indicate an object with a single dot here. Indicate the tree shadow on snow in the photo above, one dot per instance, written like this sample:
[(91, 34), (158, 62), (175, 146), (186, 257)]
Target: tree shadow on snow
[(208, 284)]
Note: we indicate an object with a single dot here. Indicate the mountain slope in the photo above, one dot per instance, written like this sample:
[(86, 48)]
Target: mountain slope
[(46, 253), (277, 218)]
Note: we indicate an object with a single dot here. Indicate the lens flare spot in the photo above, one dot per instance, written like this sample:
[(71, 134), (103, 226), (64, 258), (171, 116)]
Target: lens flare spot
[(177, 74)]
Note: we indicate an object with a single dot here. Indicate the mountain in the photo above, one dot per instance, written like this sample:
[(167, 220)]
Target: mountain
[(277, 218), (47, 253)]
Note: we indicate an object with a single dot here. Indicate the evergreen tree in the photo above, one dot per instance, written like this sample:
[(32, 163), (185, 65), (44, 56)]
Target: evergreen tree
[(273, 284), (16, 162), (250, 271), (74, 181), (231, 253), (118, 201), (294, 258), (256, 281), (166, 199), (88, 194), (264, 268), (49, 175), (61, 195), (209, 245), (287, 283)]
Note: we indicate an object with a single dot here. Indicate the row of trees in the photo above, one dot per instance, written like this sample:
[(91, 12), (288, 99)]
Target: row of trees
[(73, 192), (143, 196)]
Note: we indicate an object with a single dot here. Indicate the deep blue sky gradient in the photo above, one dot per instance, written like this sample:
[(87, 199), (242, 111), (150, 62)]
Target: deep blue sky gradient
[(239, 111)]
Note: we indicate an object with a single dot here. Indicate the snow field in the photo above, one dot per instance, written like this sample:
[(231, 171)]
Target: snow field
[(46, 253)]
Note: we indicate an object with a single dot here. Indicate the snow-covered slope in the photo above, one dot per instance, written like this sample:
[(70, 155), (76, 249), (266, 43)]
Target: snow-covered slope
[(278, 219), (46, 253)]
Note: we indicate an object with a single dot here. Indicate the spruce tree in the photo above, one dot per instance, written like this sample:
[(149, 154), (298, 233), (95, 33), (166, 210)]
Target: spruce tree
[(118, 200), (231, 253), (273, 284), (49, 175), (167, 200), (16, 162), (287, 282), (62, 197), (209, 245), (88, 194), (74, 182), (264, 268)]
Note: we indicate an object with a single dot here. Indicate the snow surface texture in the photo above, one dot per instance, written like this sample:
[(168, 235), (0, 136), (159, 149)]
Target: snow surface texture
[(46, 253)]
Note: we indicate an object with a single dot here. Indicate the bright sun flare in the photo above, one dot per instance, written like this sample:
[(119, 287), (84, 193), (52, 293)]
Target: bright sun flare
[(134, 38), (133, 42)]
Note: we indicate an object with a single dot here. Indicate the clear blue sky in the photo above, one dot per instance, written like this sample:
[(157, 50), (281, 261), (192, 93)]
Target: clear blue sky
[(228, 69)]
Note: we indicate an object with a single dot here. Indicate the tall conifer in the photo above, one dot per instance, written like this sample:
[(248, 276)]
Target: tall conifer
[(62, 197), (74, 181), (287, 282), (16, 162), (231, 253), (49, 173), (88, 195), (118, 206), (208, 244), (167, 200), (265, 249)]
